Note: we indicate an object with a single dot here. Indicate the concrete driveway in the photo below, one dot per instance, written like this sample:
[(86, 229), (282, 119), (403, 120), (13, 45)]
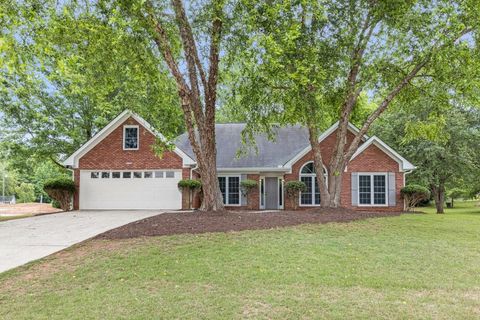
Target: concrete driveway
[(29, 239)]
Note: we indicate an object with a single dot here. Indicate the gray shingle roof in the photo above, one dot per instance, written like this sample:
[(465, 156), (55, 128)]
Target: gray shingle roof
[(287, 143)]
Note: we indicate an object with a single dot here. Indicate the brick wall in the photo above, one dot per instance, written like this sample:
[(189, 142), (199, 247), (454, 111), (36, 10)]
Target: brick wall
[(327, 147), (108, 154), (253, 198), (371, 160)]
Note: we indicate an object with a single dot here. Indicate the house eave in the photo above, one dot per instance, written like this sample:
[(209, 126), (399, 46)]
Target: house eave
[(73, 160)]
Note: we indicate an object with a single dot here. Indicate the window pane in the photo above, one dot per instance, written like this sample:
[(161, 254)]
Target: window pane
[(131, 138), (137, 174), (158, 174), (262, 192), (306, 197), (379, 189), (148, 174), (317, 191), (364, 189), (222, 181), (94, 175), (280, 192), (308, 168), (127, 175), (233, 190), (169, 174), (115, 175), (105, 175)]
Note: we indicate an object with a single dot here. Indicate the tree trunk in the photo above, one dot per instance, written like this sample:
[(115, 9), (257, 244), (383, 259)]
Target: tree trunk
[(198, 109), (212, 197), (439, 197), (318, 164), (335, 185)]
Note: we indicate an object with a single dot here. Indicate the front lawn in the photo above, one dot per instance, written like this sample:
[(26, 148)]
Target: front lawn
[(423, 266)]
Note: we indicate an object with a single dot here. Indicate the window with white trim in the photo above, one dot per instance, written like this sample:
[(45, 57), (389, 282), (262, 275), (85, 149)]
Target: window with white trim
[(230, 188), (308, 175), (148, 174), (130, 137), (137, 174), (372, 189)]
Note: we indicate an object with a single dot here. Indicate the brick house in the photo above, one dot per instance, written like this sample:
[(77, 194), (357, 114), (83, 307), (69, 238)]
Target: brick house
[(118, 169)]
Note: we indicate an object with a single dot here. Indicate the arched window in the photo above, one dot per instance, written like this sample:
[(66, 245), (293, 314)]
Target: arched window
[(308, 175)]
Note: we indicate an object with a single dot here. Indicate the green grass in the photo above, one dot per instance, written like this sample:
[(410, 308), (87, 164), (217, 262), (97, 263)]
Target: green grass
[(6, 218), (421, 266)]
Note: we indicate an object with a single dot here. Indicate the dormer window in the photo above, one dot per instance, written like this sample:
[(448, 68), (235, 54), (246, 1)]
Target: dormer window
[(130, 137)]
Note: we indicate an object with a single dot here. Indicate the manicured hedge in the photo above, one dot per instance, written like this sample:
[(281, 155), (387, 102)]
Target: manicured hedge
[(293, 189), (189, 184), (61, 190), (248, 185), (60, 184), (413, 195)]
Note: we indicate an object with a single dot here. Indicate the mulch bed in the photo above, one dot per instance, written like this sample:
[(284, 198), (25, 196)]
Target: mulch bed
[(202, 222)]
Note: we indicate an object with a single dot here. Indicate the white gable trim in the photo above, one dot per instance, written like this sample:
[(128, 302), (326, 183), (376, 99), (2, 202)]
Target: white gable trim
[(73, 160), (322, 137), (405, 165)]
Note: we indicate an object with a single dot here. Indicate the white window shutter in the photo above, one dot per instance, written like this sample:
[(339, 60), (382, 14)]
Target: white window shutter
[(354, 188), (392, 194)]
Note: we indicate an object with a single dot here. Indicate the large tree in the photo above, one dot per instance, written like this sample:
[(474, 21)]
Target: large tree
[(445, 147), (189, 38), (309, 62), (66, 72)]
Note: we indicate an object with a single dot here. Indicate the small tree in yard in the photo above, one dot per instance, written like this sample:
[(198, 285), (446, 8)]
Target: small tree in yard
[(190, 186), (293, 189), (456, 193), (61, 190), (413, 195)]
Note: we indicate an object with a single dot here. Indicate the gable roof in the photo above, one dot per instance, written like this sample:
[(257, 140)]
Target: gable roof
[(289, 144), (322, 137), (266, 155), (73, 160), (405, 165)]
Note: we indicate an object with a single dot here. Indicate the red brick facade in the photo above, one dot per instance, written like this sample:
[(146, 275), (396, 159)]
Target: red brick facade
[(371, 160), (108, 154)]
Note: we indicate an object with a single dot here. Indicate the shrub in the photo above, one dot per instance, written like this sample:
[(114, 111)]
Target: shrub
[(25, 192), (413, 195), (293, 189), (56, 204), (456, 193), (191, 186), (61, 190), (247, 186)]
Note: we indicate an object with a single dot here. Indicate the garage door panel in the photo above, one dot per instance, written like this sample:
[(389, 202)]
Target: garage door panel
[(129, 193)]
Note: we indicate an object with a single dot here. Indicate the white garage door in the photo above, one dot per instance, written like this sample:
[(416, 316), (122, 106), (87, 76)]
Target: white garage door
[(140, 189)]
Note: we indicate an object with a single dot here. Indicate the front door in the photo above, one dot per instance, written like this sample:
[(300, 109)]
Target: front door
[(271, 193)]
